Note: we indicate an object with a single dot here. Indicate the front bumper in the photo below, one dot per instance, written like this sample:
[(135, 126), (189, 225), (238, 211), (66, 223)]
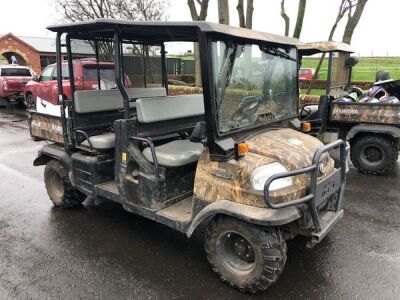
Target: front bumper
[(320, 191)]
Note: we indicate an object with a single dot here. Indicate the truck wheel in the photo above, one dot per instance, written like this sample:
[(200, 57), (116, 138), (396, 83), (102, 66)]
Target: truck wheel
[(243, 255), (29, 103), (373, 155), (59, 188)]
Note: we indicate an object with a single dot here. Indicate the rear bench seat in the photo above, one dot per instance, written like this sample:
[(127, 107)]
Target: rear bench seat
[(107, 100), (179, 152), (92, 101)]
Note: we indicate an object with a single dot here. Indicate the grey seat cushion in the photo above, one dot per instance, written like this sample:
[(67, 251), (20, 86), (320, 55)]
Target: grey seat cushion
[(176, 153), (103, 141), (156, 109)]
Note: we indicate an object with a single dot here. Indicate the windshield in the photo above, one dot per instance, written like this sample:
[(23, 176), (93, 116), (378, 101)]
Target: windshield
[(254, 84), (15, 72)]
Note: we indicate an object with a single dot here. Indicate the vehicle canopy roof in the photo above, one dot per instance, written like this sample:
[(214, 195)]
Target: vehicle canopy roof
[(153, 31), (323, 47)]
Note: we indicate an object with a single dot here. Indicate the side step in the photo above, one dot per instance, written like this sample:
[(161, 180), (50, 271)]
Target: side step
[(108, 190), (328, 219), (178, 215)]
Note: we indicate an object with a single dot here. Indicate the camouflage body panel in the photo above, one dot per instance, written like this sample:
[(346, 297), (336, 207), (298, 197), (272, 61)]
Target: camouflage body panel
[(230, 180), (366, 113), (46, 127)]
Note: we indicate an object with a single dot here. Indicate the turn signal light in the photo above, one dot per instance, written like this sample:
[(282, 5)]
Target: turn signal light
[(242, 149), (306, 127)]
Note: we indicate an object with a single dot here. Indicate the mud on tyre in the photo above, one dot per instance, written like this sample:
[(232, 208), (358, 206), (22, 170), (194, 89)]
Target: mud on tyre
[(244, 255), (374, 154), (59, 187)]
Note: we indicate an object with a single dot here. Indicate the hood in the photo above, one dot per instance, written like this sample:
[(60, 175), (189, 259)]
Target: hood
[(293, 149)]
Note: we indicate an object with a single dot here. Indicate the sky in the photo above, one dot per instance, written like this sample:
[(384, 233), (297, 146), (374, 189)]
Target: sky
[(375, 34)]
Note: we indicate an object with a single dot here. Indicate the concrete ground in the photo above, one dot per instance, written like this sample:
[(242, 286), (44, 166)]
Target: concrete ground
[(108, 253)]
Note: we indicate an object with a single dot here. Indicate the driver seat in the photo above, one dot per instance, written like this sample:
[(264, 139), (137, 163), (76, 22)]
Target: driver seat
[(176, 153)]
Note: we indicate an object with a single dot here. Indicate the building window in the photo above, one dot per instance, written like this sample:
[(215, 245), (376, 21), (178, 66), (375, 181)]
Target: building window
[(46, 60)]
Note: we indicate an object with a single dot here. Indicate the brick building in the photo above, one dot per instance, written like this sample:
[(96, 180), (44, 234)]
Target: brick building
[(36, 52)]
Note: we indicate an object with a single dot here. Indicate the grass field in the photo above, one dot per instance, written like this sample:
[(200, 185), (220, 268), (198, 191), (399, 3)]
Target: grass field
[(365, 70)]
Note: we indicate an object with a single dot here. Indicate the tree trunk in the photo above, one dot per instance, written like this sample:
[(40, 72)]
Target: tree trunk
[(197, 65), (352, 21), (223, 12), (198, 17), (249, 14), (242, 20), (300, 17), (285, 18)]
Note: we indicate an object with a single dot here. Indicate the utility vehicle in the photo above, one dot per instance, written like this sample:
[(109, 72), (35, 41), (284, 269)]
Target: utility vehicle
[(233, 158), (372, 129)]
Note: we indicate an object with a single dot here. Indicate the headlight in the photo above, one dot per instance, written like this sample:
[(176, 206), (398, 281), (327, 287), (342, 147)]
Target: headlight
[(261, 174)]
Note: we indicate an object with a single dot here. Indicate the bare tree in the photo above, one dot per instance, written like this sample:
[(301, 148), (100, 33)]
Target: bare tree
[(245, 21), (223, 12), (285, 18), (134, 10), (198, 16), (345, 6), (353, 18), (300, 17)]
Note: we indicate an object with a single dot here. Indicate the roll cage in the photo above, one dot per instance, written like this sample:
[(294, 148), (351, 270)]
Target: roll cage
[(155, 33)]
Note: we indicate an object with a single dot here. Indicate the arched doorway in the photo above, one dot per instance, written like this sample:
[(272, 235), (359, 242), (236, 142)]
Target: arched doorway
[(20, 59)]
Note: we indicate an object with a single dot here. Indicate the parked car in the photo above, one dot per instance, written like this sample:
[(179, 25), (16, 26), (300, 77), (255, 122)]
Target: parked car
[(13, 79), (44, 88), (306, 73)]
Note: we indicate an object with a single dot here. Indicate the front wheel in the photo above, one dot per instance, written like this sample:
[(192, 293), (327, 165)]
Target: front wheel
[(375, 155), (59, 188), (29, 103), (243, 255)]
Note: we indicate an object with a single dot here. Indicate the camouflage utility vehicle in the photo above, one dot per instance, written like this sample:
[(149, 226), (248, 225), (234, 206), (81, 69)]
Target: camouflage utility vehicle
[(232, 158), (372, 128)]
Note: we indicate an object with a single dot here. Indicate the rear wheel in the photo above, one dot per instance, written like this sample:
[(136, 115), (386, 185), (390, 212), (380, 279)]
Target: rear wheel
[(243, 255), (374, 154), (59, 188)]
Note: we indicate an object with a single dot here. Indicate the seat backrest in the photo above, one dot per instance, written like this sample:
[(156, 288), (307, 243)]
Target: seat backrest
[(156, 109), (90, 101)]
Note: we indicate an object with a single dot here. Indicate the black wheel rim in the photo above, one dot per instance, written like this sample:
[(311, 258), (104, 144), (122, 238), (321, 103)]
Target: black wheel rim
[(372, 155), (236, 253), (28, 102)]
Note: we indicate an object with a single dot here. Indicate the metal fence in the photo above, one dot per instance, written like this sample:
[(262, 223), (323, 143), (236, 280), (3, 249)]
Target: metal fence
[(135, 65)]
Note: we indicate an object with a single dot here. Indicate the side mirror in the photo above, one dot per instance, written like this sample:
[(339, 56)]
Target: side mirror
[(35, 78), (199, 132)]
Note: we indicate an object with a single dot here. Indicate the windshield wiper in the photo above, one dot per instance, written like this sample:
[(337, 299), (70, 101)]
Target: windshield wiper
[(276, 52)]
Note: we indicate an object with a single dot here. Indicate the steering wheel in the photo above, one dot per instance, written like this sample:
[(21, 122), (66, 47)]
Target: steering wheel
[(247, 107)]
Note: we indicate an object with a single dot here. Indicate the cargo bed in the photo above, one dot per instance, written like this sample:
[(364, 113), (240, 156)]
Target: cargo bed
[(375, 113), (45, 127)]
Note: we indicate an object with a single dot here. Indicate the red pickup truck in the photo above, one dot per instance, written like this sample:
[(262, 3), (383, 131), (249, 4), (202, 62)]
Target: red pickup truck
[(13, 79), (42, 91), (306, 73)]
